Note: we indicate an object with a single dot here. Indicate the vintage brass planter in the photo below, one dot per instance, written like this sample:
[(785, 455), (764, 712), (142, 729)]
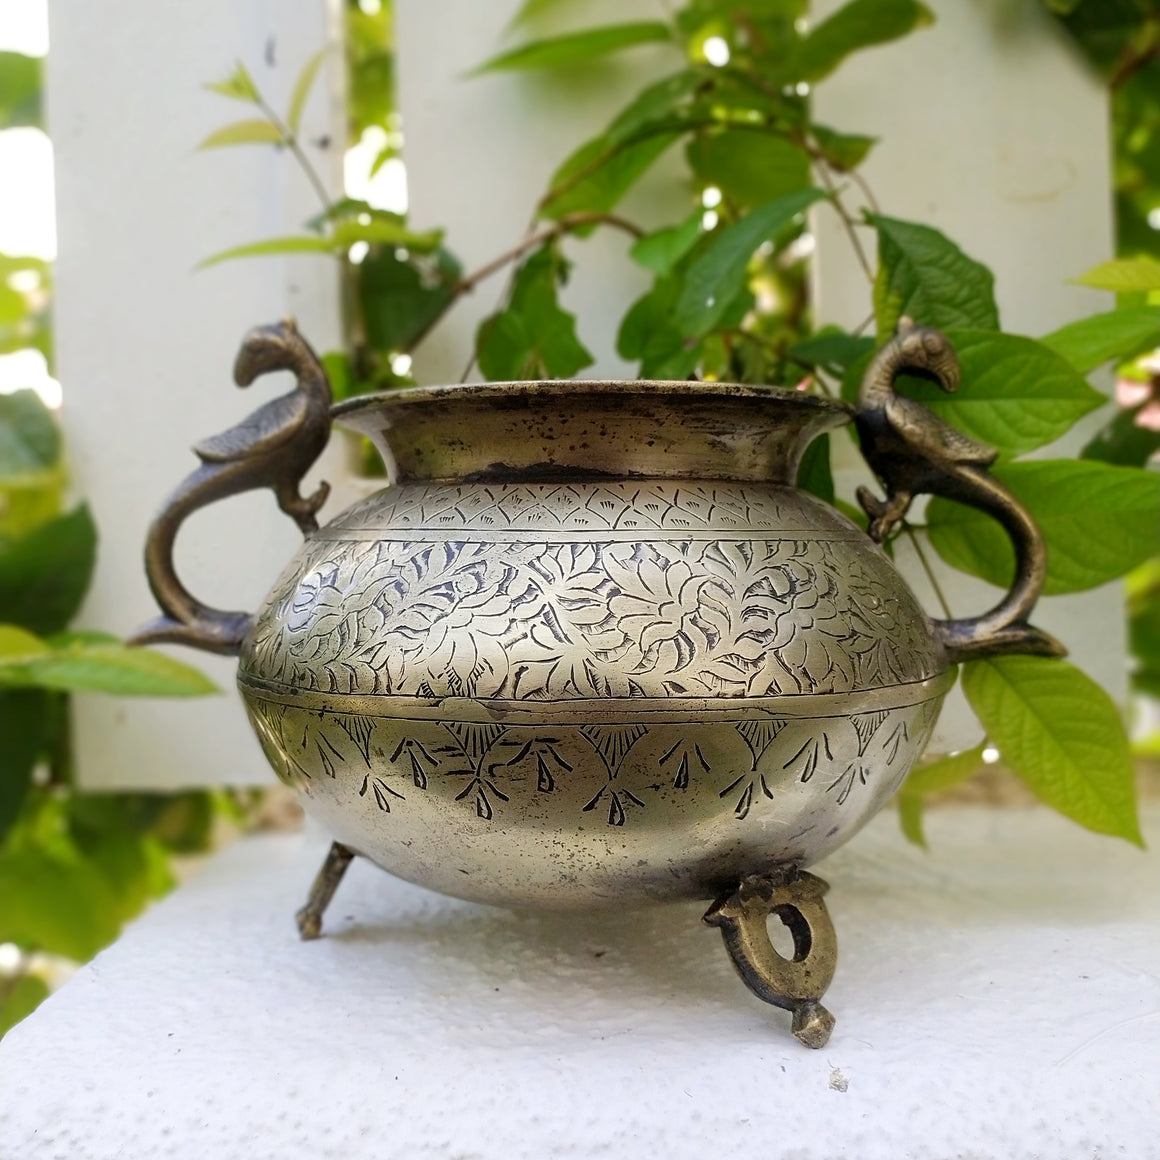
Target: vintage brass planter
[(591, 647)]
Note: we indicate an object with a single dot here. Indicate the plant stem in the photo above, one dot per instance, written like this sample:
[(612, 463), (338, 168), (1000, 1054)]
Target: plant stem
[(918, 549), (530, 241), (848, 222), (291, 143), (539, 237)]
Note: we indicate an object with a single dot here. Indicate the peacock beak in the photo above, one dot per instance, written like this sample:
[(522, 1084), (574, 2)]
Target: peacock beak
[(950, 375), (263, 349)]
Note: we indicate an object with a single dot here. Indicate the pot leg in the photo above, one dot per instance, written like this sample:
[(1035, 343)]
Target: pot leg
[(309, 918), (795, 984)]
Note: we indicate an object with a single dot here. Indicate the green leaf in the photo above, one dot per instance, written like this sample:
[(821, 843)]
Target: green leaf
[(29, 436), (931, 778), (814, 473), (253, 132), (660, 107), (306, 244), (19, 998), (54, 904), (1124, 442), (923, 274), (108, 668), (717, 275), (133, 865), (22, 727), (842, 151), (1016, 394), (534, 338), (600, 173), (302, 87), (45, 573), (1119, 334), (383, 231), (1099, 521), (577, 47), (1144, 640), (18, 645), (647, 333), (749, 167), (833, 351), (1124, 275), (910, 819), (943, 773), (239, 85), (402, 296), (531, 10), (21, 85), (1061, 733), (662, 250), (859, 24)]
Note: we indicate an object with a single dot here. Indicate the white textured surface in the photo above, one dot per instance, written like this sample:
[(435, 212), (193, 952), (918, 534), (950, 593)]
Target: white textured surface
[(997, 999)]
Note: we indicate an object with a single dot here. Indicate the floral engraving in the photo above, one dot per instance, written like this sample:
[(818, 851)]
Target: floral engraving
[(583, 620)]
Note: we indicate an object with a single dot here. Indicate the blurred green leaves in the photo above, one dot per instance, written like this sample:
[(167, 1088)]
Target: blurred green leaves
[(21, 80), (533, 337), (578, 47), (858, 25)]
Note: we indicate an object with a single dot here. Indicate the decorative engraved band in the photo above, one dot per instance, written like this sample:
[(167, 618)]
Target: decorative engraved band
[(673, 710), (550, 535)]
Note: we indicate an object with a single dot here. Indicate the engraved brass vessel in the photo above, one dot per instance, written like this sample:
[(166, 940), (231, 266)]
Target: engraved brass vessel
[(591, 647)]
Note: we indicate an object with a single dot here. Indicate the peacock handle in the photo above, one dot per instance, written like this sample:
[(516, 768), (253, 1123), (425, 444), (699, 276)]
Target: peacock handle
[(274, 448), (914, 452)]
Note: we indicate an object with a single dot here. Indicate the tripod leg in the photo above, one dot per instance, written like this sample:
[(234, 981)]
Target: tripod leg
[(338, 858), (795, 984)]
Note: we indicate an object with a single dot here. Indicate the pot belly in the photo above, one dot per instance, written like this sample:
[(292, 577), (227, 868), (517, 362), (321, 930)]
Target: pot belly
[(594, 692), (529, 807)]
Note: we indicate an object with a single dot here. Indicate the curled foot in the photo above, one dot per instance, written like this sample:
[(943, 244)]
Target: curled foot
[(796, 984)]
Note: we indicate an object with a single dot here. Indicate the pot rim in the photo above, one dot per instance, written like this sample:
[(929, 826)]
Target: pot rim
[(570, 388)]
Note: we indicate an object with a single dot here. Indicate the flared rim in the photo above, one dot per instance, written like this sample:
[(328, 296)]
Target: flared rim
[(572, 388)]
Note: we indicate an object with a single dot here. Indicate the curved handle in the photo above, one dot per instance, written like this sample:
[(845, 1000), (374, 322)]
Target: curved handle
[(913, 452), (274, 448)]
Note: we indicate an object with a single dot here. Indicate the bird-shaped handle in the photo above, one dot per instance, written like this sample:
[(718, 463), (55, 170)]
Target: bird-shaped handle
[(274, 448), (913, 452)]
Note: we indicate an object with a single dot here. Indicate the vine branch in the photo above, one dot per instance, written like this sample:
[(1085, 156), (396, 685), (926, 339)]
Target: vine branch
[(921, 554), (290, 140)]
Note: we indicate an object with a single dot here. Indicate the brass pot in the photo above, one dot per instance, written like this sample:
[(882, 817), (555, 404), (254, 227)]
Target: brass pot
[(592, 647)]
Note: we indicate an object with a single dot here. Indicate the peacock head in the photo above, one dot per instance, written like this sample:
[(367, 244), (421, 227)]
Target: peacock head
[(928, 352), (268, 348)]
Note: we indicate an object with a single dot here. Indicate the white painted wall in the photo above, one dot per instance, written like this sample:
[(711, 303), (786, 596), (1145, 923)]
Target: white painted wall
[(145, 344), (994, 131)]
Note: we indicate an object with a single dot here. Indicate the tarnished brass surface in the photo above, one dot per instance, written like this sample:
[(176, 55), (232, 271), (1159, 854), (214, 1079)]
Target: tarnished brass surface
[(591, 693), (275, 447), (914, 452), (309, 918), (592, 647), (796, 984)]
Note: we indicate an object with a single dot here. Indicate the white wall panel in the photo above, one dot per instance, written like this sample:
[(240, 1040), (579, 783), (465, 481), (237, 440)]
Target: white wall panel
[(145, 343)]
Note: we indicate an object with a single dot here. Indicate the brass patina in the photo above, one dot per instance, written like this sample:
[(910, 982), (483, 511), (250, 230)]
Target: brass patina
[(591, 647)]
